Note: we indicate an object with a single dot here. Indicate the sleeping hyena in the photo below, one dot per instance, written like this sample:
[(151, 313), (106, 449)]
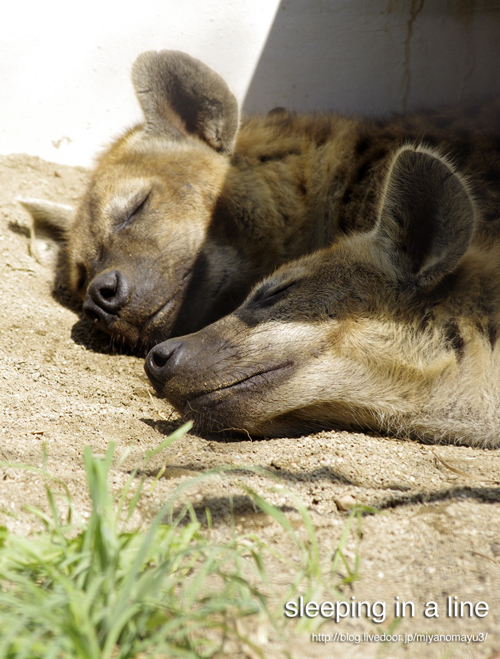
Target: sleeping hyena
[(392, 330), (187, 211)]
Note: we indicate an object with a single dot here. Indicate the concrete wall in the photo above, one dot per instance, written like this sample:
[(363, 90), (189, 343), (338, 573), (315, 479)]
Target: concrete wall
[(65, 67)]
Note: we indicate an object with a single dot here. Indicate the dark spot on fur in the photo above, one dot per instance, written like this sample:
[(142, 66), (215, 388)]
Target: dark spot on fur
[(344, 225), (491, 216), (346, 197), (454, 339), (379, 154), (492, 335), (446, 286), (363, 170), (362, 144)]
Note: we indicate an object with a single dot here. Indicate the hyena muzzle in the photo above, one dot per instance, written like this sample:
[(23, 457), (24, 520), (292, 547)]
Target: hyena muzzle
[(392, 330), (185, 212)]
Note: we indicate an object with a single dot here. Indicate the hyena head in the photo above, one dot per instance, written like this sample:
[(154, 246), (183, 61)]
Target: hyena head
[(143, 254), (354, 336)]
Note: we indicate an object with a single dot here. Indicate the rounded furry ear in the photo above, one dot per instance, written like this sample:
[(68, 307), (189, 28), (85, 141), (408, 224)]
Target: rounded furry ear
[(181, 96), (427, 216), (50, 224)]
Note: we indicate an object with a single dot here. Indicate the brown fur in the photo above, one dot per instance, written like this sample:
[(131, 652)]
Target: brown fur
[(392, 330), (186, 212)]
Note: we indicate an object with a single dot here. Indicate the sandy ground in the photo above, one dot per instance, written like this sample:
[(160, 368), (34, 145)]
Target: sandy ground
[(437, 534)]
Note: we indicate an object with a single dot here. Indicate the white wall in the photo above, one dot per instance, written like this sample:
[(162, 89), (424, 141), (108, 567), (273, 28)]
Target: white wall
[(65, 67), (379, 56)]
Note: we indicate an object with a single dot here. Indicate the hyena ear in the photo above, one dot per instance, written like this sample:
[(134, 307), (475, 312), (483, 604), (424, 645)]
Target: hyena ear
[(426, 217), (49, 228), (180, 95)]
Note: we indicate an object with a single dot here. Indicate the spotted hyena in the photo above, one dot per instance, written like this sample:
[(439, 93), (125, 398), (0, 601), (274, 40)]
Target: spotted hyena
[(187, 211), (393, 330)]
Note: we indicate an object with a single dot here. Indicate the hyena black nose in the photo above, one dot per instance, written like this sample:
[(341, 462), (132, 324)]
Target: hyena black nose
[(109, 290), (163, 361), (106, 295)]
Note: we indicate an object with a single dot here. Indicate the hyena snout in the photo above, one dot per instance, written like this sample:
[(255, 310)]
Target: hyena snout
[(106, 295), (163, 362)]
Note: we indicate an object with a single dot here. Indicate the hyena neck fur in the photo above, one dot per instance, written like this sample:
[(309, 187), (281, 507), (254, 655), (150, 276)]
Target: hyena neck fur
[(433, 363), (462, 403), (443, 334), (282, 195)]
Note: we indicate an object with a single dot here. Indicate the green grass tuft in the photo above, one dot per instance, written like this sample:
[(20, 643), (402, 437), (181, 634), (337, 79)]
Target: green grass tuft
[(94, 591)]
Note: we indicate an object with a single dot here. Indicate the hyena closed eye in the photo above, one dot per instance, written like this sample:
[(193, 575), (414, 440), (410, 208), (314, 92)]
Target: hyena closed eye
[(394, 330), (187, 211)]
